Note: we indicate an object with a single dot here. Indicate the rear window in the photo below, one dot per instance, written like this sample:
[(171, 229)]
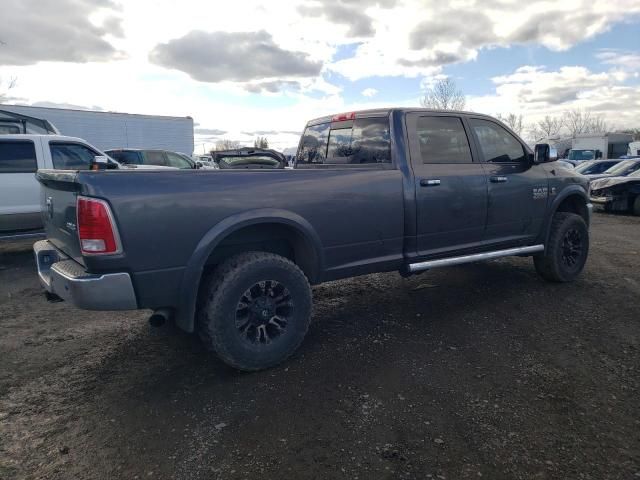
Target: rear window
[(363, 141), (17, 157)]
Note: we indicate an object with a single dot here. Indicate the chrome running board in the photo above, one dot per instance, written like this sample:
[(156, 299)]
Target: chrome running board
[(445, 262)]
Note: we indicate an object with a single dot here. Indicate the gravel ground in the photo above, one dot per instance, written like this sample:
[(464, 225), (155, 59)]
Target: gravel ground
[(468, 372)]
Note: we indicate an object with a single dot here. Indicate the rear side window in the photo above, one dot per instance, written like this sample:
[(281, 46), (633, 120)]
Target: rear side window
[(154, 158), (71, 156), (126, 156), (17, 157), (363, 141), (442, 140), (497, 144)]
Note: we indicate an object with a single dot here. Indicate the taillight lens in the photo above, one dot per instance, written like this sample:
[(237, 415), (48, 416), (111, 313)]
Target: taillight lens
[(97, 232)]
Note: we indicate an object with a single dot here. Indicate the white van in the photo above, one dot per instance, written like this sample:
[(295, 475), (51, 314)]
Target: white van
[(20, 156)]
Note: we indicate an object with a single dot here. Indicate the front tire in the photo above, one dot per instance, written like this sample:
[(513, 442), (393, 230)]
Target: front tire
[(635, 208), (567, 249), (255, 310)]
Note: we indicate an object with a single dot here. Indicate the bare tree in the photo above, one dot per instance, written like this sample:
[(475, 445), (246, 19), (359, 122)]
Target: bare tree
[(6, 86), (577, 121), (597, 125), (548, 127), (226, 144), (444, 95), (261, 142), (513, 121)]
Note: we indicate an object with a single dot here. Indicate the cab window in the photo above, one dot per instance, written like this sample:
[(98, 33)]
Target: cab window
[(442, 140), (71, 156), (496, 143), (17, 156)]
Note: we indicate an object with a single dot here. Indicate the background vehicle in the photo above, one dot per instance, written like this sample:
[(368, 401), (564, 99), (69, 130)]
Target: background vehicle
[(15, 123), (20, 156), (595, 167), (204, 161), (600, 146), (158, 158), (618, 194), (565, 164), (230, 254), (249, 158), (623, 168)]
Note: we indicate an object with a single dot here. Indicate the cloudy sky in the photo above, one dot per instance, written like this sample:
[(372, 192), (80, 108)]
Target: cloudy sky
[(247, 67)]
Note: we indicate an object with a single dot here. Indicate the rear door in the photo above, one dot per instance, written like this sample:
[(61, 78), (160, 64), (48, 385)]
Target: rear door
[(450, 185), (518, 190), (19, 190)]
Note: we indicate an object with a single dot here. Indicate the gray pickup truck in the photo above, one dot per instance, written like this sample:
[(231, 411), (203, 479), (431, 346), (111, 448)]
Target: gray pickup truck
[(231, 254)]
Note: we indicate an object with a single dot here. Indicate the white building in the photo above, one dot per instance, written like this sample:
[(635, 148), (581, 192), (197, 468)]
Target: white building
[(108, 130)]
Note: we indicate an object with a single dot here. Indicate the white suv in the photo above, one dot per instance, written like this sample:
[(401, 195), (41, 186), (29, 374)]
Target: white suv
[(20, 156)]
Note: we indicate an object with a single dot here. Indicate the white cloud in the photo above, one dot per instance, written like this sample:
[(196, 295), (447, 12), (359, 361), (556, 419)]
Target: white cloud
[(535, 92), (369, 92), (395, 37)]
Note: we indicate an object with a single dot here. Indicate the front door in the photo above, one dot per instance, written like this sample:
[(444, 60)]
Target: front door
[(518, 190), (451, 188)]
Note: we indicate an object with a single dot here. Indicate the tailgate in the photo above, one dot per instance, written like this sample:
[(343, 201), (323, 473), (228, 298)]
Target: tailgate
[(59, 190)]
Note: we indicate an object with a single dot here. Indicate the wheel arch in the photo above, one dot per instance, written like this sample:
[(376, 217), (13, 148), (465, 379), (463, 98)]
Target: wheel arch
[(272, 225), (572, 199)]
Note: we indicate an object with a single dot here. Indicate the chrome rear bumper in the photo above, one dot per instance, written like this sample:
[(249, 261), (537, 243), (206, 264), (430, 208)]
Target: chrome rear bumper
[(66, 278)]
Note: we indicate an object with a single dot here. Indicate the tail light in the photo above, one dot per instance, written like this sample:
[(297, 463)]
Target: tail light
[(96, 228)]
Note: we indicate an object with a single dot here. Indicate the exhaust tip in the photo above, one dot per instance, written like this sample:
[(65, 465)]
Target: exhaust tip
[(159, 317)]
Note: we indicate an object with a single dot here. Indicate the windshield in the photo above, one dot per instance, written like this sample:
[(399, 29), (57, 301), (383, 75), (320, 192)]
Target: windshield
[(623, 167), (582, 154), (590, 168)]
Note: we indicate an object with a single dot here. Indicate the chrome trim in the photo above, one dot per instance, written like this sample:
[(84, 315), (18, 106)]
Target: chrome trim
[(445, 262), (21, 236), (112, 291)]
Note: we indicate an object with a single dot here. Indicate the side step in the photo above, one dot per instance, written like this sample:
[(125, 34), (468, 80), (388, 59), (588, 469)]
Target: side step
[(478, 257)]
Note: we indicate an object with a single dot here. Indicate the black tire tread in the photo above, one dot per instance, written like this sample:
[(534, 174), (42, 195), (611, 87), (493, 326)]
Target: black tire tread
[(635, 207), (547, 264), (215, 287)]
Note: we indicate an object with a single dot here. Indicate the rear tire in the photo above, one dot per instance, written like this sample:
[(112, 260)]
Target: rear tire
[(567, 249), (635, 208), (255, 310)]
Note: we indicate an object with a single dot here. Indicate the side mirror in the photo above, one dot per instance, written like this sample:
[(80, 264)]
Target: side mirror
[(101, 162), (543, 153)]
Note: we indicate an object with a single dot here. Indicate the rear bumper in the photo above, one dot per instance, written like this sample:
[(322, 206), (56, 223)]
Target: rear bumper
[(66, 278)]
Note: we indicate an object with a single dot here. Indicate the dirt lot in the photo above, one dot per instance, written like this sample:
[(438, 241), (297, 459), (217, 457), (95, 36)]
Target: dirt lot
[(477, 371)]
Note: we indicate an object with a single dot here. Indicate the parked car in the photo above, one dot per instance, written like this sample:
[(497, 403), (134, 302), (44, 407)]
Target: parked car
[(204, 161), (158, 158), (20, 156), (565, 164), (621, 169), (596, 167), (249, 158), (617, 194), (231, 254)]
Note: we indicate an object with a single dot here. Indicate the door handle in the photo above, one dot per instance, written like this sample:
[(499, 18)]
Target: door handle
[(430, 182), (498, 179)]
